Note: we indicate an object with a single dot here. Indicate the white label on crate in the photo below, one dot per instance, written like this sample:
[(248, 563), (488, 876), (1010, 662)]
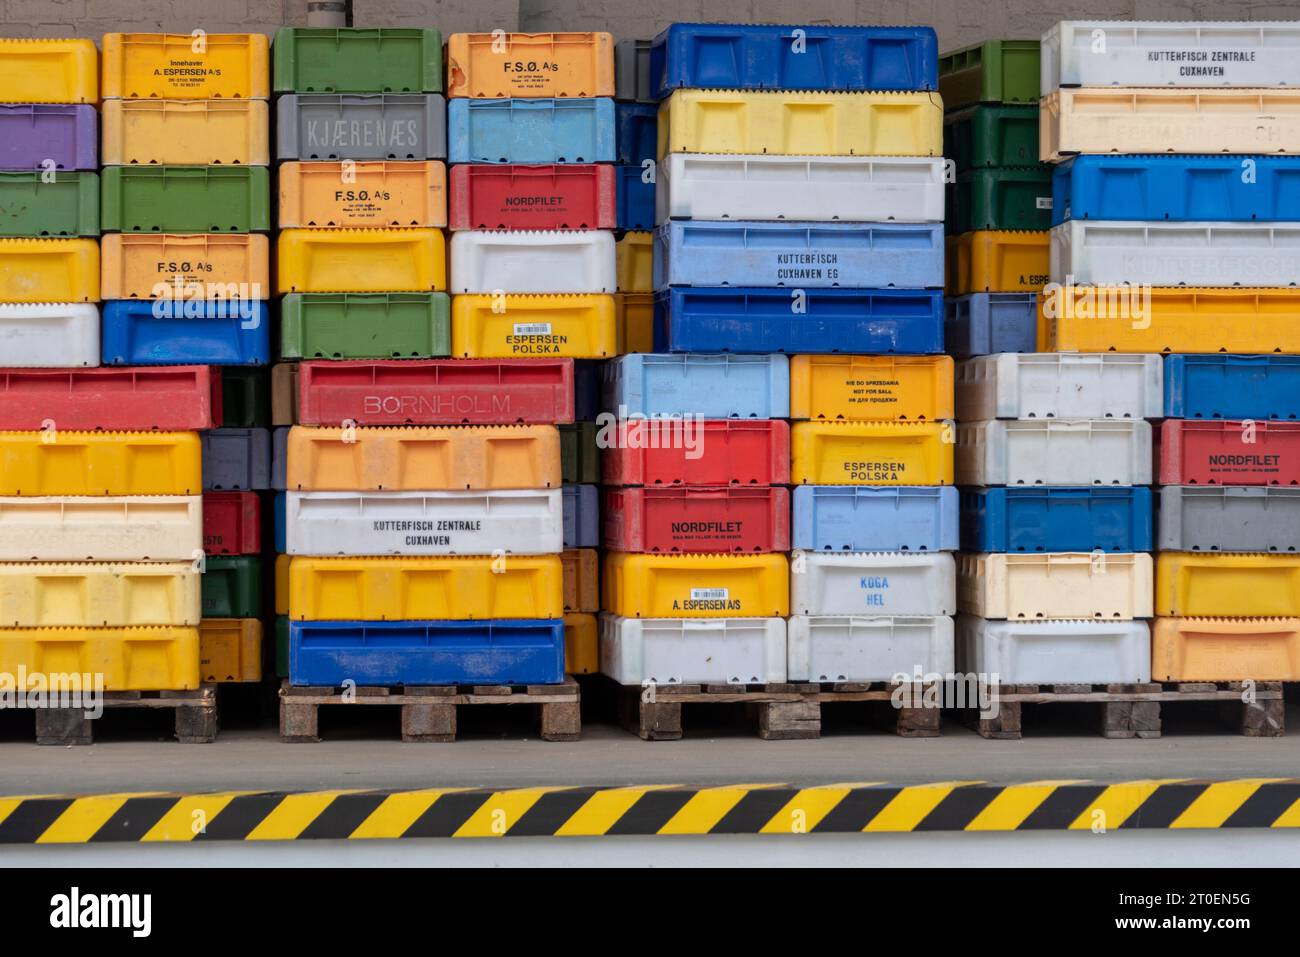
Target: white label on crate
[(709, 594), (532, 328), (1043, 202)]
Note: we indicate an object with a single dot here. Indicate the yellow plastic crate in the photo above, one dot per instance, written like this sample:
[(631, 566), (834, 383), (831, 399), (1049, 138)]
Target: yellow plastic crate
[(1208, 585), (492, 66), (361, 260), (581, 580), (871, 387), (581, 644), (185, 132), (129, 659), (695, 586), (149, 265), (230, 649), (49, 270), (634, 322), (420, 589), (179, 66), (1225, 649), (998, 260), (801, 124), (282, 584), (87, 594), (523, 327), (634, 258), (48, 71), (872, 453), (1122, 319), (100, 463)]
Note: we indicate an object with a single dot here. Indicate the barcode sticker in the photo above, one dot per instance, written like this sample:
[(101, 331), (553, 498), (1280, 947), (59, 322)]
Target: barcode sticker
[(708, 594), (532, 328), (1043, 202)]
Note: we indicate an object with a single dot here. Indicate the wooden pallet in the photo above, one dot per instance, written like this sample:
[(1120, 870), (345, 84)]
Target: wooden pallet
[(429, 712), (783, 712), (195, 713), (1133, 710)]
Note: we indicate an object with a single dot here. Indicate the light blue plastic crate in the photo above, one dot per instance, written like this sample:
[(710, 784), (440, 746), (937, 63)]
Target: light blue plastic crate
[(229, 333), (531, 131), (581, 516), (904, 519), (714, 386), (986, 323)]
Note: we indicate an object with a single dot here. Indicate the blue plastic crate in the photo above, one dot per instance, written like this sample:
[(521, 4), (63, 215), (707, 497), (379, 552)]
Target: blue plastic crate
[(910, 518), (799, 255), (637, 132), (226, 333), (986, 323), (1108, 519), (636, 198), (531, 131), (494, 651), (714, 386), (1232, 387), (1178, 188), (751, 320), (581, 516), (281, 509), (750, 57)]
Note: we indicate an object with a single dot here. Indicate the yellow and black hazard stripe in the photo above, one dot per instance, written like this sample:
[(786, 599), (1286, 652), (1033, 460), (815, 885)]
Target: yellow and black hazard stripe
[(653, 810)]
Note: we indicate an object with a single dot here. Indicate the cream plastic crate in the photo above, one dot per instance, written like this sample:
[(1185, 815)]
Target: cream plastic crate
[(1054, 652), (157, 528), (861, 648), (1175, 254), (1170, 53), (49, 334), (526, 522), (873, 583), (1106, 385), (1054, 452), (854, 189), (533, 261), (1056, 585), (635, 651)]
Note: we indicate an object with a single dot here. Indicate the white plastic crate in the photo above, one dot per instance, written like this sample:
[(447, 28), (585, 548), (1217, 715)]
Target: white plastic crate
[(532, 261), (49, 334), (1175, 254), (1107, 385), (1170, 53), (1054, 452), (872, 583), (1055, 652), (665, 651), (526, 522), (852, 189), (1100, 585), (157, 528), (859, 648)]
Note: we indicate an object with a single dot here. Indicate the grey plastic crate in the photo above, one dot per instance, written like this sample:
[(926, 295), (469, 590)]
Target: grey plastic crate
[(581, 516), (1218, 518), (632, 71), (236, 459), (335, 126), (280, 459)]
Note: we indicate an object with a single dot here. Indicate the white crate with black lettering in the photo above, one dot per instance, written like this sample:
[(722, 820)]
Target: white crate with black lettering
[(872, 583), (1054, 452), (862, 648), (512, 261), (1062, 385), (665, 651)]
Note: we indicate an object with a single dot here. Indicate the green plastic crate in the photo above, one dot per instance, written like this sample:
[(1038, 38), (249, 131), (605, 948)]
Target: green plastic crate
[(357, 60), (992, 136), (245, 398), (385, 325), (232, 586), (282, 646), (1000, 199), (579, 455), (186, 199), (995, 71), (68, 205)]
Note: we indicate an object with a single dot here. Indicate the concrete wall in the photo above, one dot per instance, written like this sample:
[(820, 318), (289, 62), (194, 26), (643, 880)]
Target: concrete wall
[(957, 22)]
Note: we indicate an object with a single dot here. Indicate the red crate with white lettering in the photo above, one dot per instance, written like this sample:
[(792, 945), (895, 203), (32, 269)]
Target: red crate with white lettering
[(1217, 452), (697, 452), (133, 399), (512, 196), (695, 519), (232, 523)]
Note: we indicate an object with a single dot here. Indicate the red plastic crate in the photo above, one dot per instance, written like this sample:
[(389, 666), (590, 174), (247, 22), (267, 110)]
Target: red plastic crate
[(436, 392), (232, 523), (1215, 452), (683, 518), (558, 196), (139, 398), (730, 452)]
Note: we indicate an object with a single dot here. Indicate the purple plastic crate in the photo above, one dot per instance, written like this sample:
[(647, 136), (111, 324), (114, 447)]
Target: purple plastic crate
[(32, 133)]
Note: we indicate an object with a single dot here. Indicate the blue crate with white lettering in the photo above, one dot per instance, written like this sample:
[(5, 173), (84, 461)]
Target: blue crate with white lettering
[(531, 131), (636, 198), (730, 56), (818, 321), (637, 132), (714, 386), (844, 518), (281, 510), (1232, 387), (804, 255), (164, 332), (1038, 519), (1177, 188), (581, 504), (986, 323), (492, 651)]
